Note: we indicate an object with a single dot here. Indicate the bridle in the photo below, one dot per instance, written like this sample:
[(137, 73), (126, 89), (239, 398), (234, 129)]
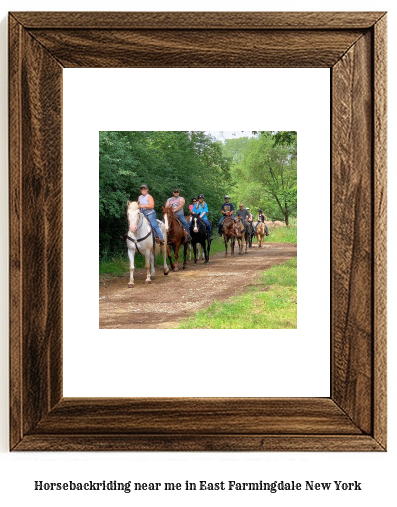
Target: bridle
[(199, 222), (171, 218), (136, 241)]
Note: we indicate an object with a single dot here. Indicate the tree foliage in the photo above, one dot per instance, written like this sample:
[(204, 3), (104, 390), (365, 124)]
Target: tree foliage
[(191, 160), (266, 174)]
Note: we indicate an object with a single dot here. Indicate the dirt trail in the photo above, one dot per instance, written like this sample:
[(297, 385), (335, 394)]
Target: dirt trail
[(170, 299)]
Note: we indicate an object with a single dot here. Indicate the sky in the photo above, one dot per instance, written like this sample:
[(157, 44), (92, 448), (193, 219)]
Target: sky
[(221, 135)]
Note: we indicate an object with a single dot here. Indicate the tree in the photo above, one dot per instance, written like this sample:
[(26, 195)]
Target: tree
[(267, 175), (285, 137)]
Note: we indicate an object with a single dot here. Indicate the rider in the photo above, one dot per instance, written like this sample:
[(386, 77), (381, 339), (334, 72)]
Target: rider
[(262, 218), (242, 213), (227, 207), (146, 206), (177, 203), (201, 209), (191, 205)]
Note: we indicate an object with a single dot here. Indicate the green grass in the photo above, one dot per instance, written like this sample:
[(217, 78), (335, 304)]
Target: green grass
[(270, 304), (282, 235)]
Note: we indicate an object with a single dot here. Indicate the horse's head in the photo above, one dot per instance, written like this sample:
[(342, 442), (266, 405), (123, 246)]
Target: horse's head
[(195, 222), (133, 215), (167, 216)]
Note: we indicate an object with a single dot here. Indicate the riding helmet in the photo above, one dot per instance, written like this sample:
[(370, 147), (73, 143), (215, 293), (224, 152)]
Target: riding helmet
[(201, 196), (227, 196)]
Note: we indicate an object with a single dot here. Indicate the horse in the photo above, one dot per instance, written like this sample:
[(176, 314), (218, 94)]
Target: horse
[(200, 251), (176, 237), (243, 238), (260, 233), (200, 235), (249, 233), (140, 238), (229, 230)]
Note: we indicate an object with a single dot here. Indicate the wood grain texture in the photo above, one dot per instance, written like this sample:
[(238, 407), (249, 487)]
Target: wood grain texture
[(36, 229), (354, 44), (351, 232), (380, 229), (199, 443), (15, 242), (196, 416), (196, 48), (200, 20)]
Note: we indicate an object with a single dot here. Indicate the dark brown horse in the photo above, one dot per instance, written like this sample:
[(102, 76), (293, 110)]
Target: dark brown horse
[(230, 231), (176, 236)]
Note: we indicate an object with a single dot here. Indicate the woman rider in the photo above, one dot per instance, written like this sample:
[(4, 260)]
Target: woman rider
[(146, 205), (191, 205), (261, 218), (194, 200), (201, 209)]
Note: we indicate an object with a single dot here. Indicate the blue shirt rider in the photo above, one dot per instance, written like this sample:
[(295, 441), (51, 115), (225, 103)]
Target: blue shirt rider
[(227, 207), (201, 209)]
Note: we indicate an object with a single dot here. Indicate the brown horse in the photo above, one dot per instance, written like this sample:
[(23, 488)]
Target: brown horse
[(230, 231), (176, 237), (260, 233), (243, 239)]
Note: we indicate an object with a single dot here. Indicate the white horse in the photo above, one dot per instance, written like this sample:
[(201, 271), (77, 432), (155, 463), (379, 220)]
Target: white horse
[(140, 238)]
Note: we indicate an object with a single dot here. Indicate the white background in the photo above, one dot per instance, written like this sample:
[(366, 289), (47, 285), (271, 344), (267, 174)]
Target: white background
[(250, 363), (374, 470)]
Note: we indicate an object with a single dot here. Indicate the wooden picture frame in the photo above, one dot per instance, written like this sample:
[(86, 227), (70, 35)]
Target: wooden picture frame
[(353, 46)]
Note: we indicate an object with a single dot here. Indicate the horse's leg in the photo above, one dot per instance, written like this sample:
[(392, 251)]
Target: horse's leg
[(225, 240), (148, 255), (170, 256), (195, 246), (131, 256), (176, 253), (152, 267), (232, 243), (240, 245), (164, 251), (190, 252), (184, 255), (204, 247)]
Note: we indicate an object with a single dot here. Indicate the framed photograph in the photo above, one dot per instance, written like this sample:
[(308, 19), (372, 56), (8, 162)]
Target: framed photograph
[(353, 46)]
